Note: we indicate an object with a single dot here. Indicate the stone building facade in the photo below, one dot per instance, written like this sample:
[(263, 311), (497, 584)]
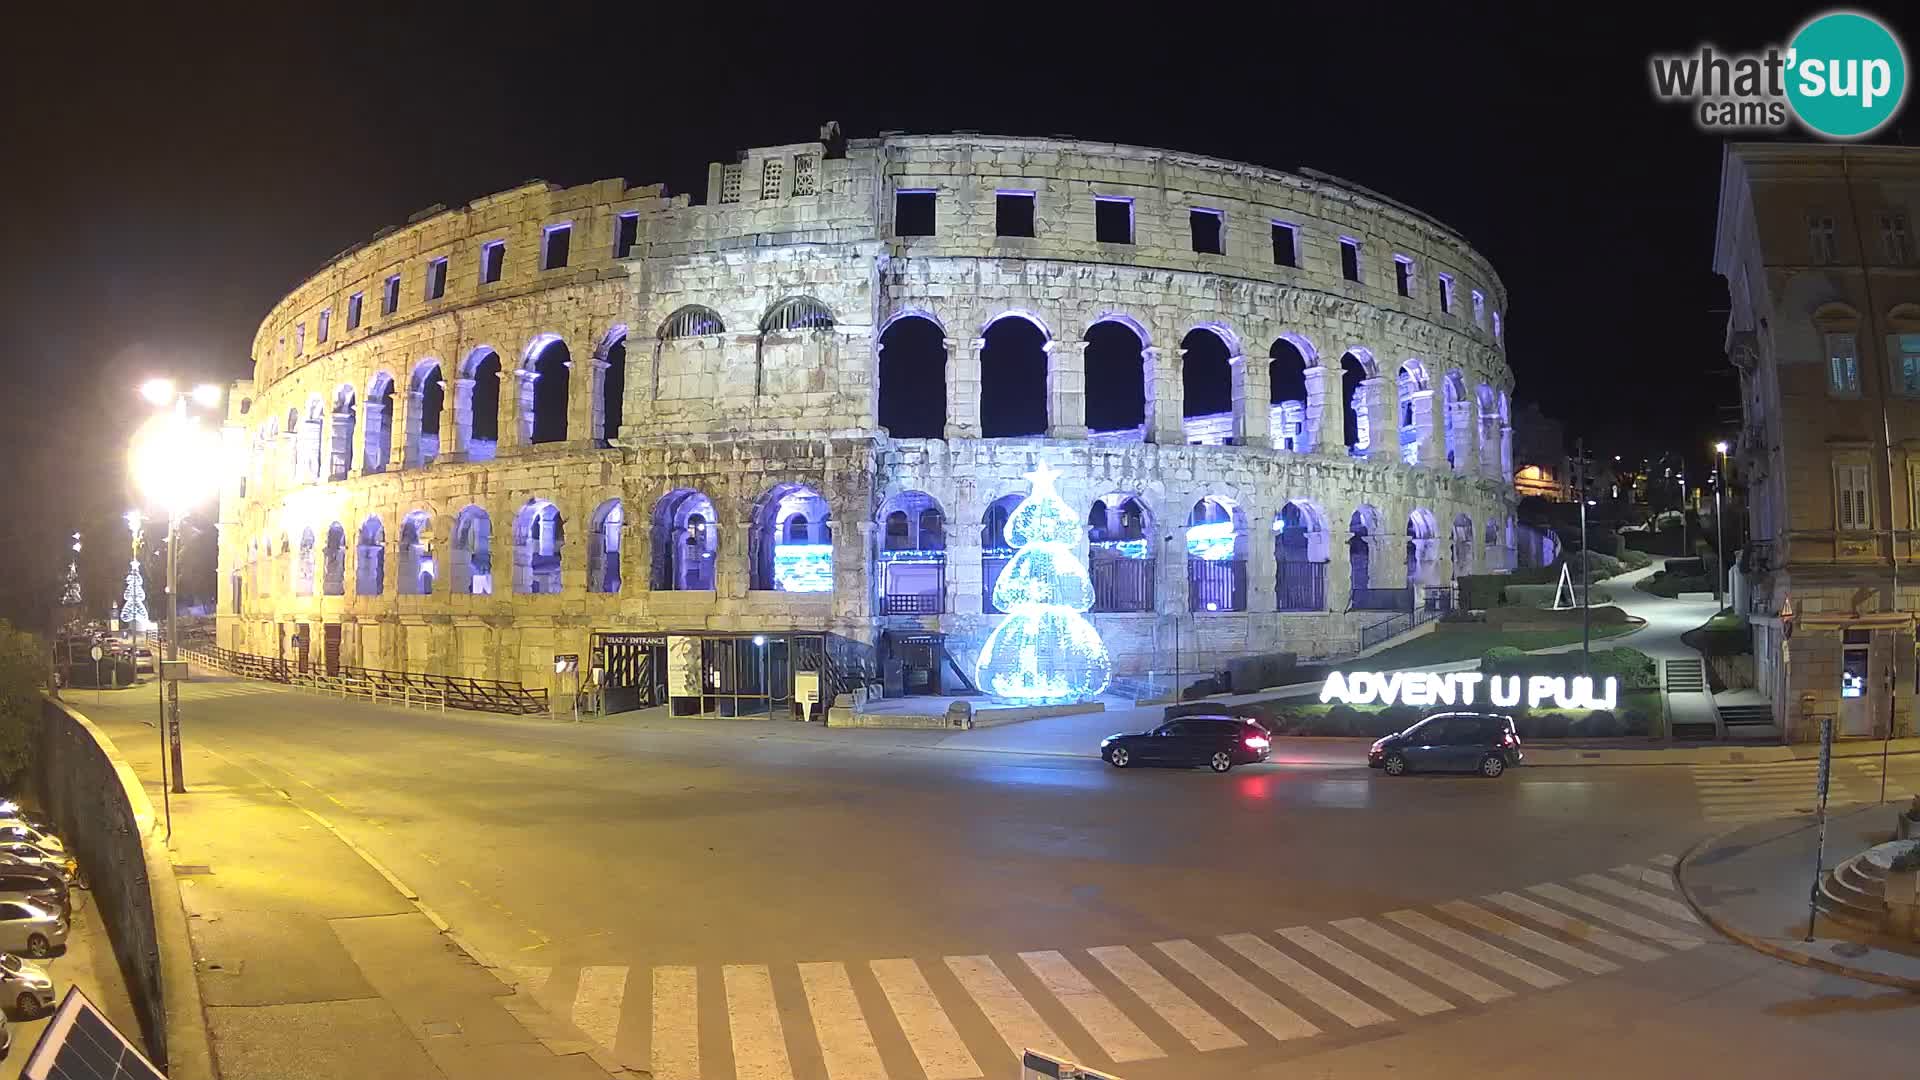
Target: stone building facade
[(1816, 243), (502, 432)]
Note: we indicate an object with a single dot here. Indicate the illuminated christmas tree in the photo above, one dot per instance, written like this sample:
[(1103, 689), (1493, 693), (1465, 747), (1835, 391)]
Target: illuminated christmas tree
[(1044, 651), (70, 587), (133, 605)]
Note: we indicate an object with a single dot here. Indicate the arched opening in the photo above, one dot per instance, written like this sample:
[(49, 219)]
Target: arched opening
[(613, 391), (376, 442), (1489, 406), (1287, 393), (792, 541), (370, 559), (1365, 541), (1116, 379), (1423, 549), (1216, 556), (608, 525), (1462, 552), (1121, 554), (685, 536), (1013, 379), (340, 434), (1301, 548), (1206, 378), (544, 391), (303, 565), (996, 551), (472, 566), (913, 379), (913, 555), (1357, 428), (796, 339), (1416, 417), (427, 397), (480, 419), (333, 576), (537, 544), (284, 569), (1495, 549), (309, 449), (415, 564), (1454, 394)]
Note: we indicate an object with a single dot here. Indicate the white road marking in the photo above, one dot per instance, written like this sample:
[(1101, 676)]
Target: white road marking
[(1474, 915), (1362, 970), (846, 1043), (1274, 1018), (759, 1043), (1305, 981), (1019, 1026), (1620, 917), (1665, 905), (1492, 956), (596, 1004), (1119, 1037), (1578, 929), (942, 1054), (1647, 875), (676, 1024), (1667, 861), (1185, 1015)]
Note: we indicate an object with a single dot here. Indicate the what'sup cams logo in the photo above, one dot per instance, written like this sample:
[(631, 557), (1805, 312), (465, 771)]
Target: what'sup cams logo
[(1842, 76)]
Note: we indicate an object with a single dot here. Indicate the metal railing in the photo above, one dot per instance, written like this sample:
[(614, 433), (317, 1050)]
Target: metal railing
[(1300, 586), (404, 687), (1121, 584), (1395, 625), (1382, 600), (1216, 584)]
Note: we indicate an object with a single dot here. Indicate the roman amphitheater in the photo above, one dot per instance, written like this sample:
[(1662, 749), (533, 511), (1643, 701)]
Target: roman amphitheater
[(712, 446)]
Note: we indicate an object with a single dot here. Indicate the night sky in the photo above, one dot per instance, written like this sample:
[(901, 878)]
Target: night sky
[(168, 177)]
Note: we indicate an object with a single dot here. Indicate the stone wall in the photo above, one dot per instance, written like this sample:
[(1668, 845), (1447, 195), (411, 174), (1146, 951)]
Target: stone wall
[(744, 334)]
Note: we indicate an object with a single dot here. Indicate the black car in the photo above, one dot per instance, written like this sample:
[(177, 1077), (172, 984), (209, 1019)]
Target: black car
[(1218, 742), (1485, 743)]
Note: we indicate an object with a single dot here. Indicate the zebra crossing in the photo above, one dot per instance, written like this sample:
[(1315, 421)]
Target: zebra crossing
[(1741, 794), (966, 1017), (193, 691)]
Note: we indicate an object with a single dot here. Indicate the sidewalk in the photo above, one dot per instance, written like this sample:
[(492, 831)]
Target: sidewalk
[(86, 963), (1753, 884), (314, 961)]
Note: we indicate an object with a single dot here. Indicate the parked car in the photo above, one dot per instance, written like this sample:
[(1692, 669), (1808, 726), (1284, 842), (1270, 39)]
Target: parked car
[(143, 659), (1218, 742), (20, 830), (19, 881), (1485, 743), (12, 811), (25, 854), (25, 985), (31, 928)]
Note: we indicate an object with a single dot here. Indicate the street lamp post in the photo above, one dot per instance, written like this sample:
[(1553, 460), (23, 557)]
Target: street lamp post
[(1719, 528), (174, 461)]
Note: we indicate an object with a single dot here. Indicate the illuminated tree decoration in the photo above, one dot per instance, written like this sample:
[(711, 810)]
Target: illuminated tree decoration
[(1044, 651), (70, 587), (133, 606)]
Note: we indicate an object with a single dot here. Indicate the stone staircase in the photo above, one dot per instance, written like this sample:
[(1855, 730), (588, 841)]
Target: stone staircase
[(1686, 676), (1690, 677), (1855, 892), (1747, 717)]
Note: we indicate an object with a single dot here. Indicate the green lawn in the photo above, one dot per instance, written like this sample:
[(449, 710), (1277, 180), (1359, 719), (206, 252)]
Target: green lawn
[(1469, 642)]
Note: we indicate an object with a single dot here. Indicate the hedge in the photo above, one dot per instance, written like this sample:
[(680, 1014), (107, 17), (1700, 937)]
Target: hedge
[(1635, 669), (1638, 714)]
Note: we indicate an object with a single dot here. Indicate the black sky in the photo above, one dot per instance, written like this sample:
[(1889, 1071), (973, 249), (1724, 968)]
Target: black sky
[(169, 174)]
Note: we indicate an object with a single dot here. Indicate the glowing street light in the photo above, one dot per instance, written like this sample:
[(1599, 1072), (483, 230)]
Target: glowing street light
[(1719, 530)]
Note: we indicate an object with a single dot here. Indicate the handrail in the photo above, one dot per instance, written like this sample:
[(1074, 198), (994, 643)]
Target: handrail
[(405, 687)]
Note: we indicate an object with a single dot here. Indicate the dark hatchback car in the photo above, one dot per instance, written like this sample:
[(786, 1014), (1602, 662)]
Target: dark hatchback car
[(1485, 743), (1218, 742)]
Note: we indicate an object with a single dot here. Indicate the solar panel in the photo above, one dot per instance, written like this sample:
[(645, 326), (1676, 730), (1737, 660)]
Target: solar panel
[(80, 1043)]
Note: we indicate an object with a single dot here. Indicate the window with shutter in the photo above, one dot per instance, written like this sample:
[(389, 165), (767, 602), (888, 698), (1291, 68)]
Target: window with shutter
[(1851, 495), (1843, 366)]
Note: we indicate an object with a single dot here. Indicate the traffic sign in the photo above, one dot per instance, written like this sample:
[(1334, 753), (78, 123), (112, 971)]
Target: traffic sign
[(98, 653), (565, 662)]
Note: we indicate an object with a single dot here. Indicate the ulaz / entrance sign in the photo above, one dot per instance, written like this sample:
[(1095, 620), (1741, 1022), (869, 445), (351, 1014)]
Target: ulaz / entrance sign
[(1459, 687)]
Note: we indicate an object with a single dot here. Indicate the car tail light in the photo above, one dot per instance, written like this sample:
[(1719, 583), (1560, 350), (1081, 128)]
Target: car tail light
[(1510, 739), (1256, 742)]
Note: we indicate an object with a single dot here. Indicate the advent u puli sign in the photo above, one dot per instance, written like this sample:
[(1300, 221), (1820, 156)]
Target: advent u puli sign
[(1462, 687)]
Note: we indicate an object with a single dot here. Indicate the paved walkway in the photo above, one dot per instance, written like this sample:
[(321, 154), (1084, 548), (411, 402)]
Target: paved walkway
[(1753, 884)]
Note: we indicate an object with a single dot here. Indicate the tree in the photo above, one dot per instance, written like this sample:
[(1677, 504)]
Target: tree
[(23, 670), (1045, 650), (133, 605)]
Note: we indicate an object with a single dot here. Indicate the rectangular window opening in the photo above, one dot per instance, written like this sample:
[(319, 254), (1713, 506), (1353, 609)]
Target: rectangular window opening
[(1209, 229), (772, 172), (1909, 364), (1013, 213), (1852, 495), (1350, 258), (390, 301), (321, 328), (1894, 239), (1479, 308), (555, 246), (300, 339), (1403, 275), (354, 303), (1843, 366), (913, 213), (1286, 244), (1112, 219), (626, 233), (437, 278), (1446, 294), (1820, 242), (493, 261)]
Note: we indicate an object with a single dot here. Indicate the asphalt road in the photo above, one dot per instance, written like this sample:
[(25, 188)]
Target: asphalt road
[(726, 852)]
